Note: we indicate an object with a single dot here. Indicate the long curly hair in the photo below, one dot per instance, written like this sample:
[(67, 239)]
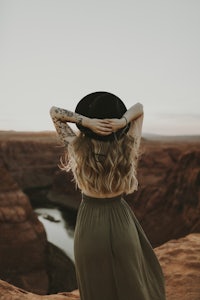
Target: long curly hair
[(101, 166)]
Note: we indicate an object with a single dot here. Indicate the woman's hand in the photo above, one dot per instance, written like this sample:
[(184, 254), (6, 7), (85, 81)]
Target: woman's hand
[(99, 126), (117, 124)]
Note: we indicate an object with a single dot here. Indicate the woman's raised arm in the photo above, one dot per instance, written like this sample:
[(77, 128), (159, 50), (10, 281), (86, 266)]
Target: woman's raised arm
[(62, 116), (135, 115), (133, 112), (131, 115)]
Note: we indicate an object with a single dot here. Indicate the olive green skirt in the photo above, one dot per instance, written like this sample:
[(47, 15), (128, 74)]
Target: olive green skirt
[(113, 257)]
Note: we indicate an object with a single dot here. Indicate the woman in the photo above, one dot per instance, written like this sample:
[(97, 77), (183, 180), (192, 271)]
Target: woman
[(113, 258)]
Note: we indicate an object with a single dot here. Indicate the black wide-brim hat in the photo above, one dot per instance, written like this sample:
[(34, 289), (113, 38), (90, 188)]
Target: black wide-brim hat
[(101, 105)]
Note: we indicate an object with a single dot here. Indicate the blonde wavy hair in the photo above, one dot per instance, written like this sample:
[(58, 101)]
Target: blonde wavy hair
[(103, 167)]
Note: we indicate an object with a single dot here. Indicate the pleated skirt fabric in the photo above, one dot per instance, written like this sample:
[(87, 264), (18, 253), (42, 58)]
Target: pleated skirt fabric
[(113, 257)]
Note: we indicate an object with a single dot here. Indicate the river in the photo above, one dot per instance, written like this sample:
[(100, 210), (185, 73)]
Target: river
[(59, 226)]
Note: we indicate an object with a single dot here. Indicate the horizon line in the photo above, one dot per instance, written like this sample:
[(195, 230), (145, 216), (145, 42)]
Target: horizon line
[(143, 134)]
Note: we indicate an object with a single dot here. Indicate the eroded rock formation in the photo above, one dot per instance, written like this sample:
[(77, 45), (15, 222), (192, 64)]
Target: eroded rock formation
[(180, 261), (167, 202), (10, 292), (23, 241), (27, 260)]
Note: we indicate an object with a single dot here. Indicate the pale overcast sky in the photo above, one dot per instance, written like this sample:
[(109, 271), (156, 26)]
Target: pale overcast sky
[(54, 52)]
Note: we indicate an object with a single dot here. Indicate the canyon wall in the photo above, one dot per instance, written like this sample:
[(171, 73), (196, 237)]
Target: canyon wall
[(27, 260), (167, 202)]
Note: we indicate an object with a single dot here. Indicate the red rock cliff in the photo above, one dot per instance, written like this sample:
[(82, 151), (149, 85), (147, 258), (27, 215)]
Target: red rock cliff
[(167, 202), (168, 199), (23, 240), (26, 258), (180, 263)]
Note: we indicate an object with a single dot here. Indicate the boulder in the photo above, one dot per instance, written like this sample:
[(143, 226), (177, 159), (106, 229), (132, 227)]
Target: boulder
[(180, 261)]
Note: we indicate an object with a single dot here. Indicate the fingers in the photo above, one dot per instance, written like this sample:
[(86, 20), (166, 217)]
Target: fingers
[(103, 128), (114, 124), (104, 125)]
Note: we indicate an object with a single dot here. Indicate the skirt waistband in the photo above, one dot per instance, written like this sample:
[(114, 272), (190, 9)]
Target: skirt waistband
[(87, 198)]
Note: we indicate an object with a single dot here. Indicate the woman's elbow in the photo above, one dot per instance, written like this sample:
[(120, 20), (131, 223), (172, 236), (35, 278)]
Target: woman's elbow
[(140, 107), (52, 110)]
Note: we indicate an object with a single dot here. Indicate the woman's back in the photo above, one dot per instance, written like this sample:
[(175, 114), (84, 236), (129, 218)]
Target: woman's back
[(105, 168)]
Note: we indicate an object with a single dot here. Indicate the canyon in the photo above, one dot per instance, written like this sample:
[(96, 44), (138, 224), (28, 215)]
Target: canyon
[(167, 204)]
